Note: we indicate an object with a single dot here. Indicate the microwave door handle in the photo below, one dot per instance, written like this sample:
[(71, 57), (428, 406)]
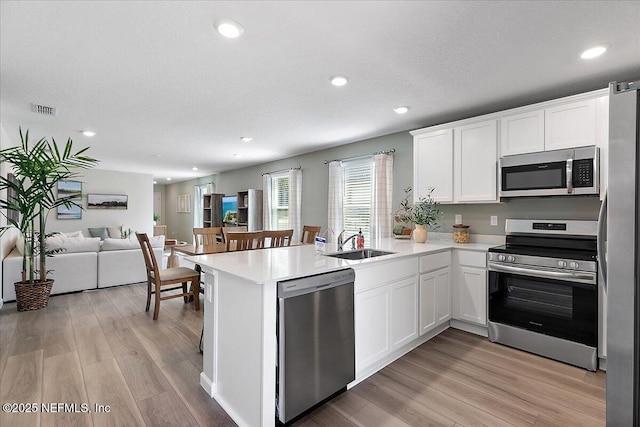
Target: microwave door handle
[(569, 176), (602, 230)]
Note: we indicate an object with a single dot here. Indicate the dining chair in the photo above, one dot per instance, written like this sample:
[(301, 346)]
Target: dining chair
[(226, 230), (244, 240), (277, 238), (309, 233), (206, 236), (164, 277)]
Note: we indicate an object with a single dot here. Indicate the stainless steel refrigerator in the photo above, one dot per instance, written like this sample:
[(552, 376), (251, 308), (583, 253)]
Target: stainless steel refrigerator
[(622, 267)]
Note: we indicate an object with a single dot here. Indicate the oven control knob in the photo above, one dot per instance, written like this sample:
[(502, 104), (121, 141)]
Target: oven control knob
[(501, 257), (562, 264), (511, 258), (573, 264)]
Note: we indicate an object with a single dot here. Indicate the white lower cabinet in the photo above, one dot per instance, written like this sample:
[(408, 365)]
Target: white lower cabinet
[(470, 287), (386, 310), (435, 299), (404, 312), (372, 314)]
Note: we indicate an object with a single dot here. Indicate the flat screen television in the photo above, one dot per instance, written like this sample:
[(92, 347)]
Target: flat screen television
[(230, 209)]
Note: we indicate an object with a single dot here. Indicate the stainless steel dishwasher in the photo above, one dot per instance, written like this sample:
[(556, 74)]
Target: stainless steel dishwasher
[(316, 342)]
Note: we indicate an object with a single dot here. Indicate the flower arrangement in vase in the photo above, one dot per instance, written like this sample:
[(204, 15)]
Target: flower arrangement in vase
[(423, 214)]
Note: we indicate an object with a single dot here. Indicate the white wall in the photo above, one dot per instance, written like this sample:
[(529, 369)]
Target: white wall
[(138, 216)]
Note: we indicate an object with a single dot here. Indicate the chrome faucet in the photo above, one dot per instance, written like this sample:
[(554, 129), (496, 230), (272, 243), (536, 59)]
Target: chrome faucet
[(342, 242)]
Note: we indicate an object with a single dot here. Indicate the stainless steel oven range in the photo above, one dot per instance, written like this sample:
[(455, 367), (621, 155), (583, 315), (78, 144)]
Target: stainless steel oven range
[(543, 290)]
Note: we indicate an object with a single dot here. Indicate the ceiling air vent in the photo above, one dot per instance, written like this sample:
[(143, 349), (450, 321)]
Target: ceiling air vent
[(43, 109)]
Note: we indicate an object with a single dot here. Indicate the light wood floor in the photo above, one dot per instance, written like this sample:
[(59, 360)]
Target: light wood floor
[(102, 348)]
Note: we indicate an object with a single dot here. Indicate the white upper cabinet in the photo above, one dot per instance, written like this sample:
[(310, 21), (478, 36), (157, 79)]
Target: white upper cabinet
[(475, 162), (433, 165), (570, 125), (522, 133)]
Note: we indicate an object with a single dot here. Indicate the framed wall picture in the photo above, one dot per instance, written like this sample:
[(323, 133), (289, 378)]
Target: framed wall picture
[(184, 203), (107, 201), (71, 189)]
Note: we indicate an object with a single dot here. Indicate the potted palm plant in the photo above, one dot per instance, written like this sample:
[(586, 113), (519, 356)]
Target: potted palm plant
[(423, 214), (38, 168)]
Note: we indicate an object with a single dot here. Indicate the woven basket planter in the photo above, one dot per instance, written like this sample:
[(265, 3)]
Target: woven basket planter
[(32, 296)]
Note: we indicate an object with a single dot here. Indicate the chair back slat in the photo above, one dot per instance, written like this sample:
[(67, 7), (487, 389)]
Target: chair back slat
[(277, 238), (206, 236), (226, 230), (149, 256), (309, 233), (244, 240)]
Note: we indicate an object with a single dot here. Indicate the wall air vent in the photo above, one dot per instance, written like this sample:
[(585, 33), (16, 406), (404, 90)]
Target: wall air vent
[(43, 109)]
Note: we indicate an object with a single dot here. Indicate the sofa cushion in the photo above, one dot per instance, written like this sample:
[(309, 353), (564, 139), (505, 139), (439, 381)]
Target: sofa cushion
[(73, 244), (100, 232), (130, 243), (118, 244), (115, 232)]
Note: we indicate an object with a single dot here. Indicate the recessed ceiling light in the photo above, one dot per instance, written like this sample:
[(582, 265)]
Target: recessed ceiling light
[(155, 182), (593, 52), (168, 178), (246, 138), (229, 28), (194, 168), (401, 110), (236, 155), (338, 80), (88, 133)]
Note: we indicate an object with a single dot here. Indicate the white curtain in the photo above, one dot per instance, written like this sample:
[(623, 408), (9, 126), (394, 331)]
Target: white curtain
[(381, 208), (295, 203), (335, 219), (199, 191), (266, 202)]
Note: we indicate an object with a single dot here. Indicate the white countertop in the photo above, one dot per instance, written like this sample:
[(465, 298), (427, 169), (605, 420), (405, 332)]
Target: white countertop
[(266, 265)]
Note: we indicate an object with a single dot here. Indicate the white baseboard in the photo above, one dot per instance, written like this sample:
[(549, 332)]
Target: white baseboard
[(207, 384), (470, 327)]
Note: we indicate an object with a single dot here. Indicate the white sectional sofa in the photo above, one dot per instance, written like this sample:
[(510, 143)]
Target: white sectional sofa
[(86, 264)]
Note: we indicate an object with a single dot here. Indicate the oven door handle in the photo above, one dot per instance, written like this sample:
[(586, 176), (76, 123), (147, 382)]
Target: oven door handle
[(545, 274)]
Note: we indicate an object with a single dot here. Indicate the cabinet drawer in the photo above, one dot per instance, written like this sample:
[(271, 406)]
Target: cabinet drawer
[(379, 274), (435, 261), (472, 258)]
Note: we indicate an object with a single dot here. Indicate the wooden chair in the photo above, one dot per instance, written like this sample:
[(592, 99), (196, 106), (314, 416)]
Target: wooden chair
[(169, 276), (208, 235), (277, 238), (309, 233), (226, 230), (244, 240)]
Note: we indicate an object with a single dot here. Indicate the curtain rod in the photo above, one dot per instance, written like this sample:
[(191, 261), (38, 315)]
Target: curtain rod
[(393, 150), (283, 170)]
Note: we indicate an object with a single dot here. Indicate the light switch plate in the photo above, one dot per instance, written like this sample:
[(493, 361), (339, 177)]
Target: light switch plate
[(458, 219), (494, 220)]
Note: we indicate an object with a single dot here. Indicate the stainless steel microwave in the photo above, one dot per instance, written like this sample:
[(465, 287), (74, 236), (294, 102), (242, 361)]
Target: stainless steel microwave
[(567, 172)]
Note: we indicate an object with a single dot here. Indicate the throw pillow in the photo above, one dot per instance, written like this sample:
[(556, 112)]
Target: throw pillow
[(157, 241), (74, 234), (115, 232), (100, 232)]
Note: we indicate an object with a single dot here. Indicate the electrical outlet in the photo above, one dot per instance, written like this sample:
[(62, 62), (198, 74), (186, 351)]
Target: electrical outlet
[(458, 219), (494, 220)]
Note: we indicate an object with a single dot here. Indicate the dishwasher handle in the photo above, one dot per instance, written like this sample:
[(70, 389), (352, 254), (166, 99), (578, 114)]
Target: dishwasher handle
[(319, 282)]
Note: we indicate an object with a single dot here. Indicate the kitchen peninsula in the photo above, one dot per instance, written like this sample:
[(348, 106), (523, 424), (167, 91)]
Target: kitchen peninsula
[(401, 300)]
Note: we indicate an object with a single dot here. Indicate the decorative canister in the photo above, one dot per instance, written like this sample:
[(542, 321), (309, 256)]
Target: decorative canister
[(460, 233)]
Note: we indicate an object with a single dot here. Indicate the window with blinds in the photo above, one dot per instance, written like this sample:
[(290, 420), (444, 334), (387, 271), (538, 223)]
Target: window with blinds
[(357, 181), (280, 202)]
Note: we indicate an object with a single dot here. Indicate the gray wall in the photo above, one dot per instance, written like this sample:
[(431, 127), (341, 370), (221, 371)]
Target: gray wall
[(315, 191)]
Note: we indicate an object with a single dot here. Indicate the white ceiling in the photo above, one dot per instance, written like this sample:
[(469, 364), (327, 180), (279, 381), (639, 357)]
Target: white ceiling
[(165, 92)]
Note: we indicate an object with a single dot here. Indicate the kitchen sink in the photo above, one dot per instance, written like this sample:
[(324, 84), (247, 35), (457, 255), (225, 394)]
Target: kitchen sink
[(359, 254)]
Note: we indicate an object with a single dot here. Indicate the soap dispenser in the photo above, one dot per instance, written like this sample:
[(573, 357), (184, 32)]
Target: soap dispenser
[(360, 241)]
